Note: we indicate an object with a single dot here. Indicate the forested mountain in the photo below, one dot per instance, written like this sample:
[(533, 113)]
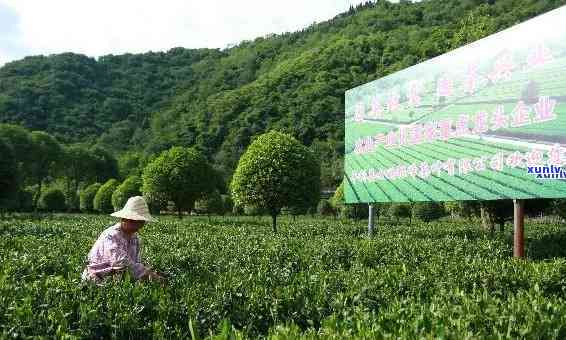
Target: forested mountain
[(218, 100)]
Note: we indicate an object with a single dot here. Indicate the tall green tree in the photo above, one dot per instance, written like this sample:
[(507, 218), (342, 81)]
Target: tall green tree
[(8, 176), (77, 166), (19, 140), (132, 163), (105, 165), (46, 152), (277, 171)]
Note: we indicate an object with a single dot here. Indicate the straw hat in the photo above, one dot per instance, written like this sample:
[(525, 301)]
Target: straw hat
[(135, 209)]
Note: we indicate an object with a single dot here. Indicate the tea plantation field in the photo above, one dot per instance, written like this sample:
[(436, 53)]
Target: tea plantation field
[(232, 277)]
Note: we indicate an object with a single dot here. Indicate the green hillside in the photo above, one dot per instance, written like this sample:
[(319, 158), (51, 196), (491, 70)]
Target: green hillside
[(218, 100)]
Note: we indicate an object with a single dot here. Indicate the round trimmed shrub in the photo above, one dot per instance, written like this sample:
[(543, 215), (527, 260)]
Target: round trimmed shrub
[(180, 175), (130, 187), (103, 198), (52, 200), (277, 171), (87, 197)]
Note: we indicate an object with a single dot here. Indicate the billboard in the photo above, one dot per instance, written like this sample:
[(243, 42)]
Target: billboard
[(485, 121)]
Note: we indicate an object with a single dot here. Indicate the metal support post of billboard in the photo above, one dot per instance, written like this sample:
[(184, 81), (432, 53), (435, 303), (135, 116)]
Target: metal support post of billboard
[(370, 219), (518, 228)]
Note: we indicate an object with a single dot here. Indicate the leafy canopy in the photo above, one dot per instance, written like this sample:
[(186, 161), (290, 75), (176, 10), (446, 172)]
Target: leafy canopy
[(276, 171), (181, 175)]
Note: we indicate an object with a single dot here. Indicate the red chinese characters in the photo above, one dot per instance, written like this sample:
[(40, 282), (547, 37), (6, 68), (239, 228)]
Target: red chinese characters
[(544, 109), (414, 91), (540, 55), (376, 108), (499, 120), (444, 87), (471, 79), (393, 101), (521, 115), (503, 68)]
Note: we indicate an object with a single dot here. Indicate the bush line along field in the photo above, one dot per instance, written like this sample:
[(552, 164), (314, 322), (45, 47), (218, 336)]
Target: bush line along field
[(315, 277)]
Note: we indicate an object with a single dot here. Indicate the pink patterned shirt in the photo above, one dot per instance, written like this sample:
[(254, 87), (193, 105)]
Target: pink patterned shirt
[(113, 251)]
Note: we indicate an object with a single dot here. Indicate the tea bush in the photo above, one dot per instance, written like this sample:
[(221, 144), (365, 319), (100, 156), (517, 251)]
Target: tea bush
[(232, 277)]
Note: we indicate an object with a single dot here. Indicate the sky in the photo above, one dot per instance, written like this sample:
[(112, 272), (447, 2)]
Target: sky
[(95, 28)]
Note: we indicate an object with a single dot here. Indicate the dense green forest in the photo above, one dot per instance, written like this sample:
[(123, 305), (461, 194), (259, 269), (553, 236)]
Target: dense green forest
[(217, 100)]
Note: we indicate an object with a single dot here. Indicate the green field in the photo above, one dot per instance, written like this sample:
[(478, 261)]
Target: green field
[(315, 278)]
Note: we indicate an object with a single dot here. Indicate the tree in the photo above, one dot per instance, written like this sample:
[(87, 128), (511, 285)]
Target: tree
[(8, 176), (464, 209), (105, 166), (452, 208), (296, 211), (331, 161), (211, 203), (324, 208), (356, 211), (130, 187), (539, 207), (132, 164), (78, 165), (337, 201), (228, 203), (72, 200), (87, 197), (20, 142), (25, 200), (379, 209), (52, 200), (180, 175), (496, 212), (103, 198), (476, 25), (428, 211), (46, 153), (400, 210), (276, 171), (254, 210), (559, 208)]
